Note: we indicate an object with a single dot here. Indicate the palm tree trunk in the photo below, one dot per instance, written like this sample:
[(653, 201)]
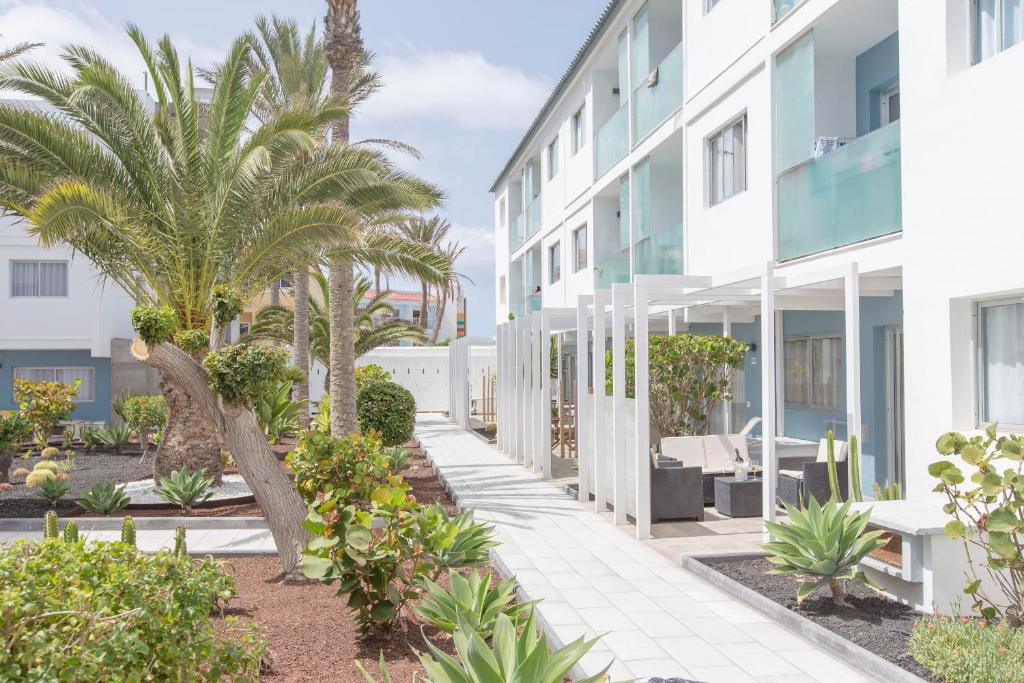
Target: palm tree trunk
[(343, 352), (270, 485), (441, 305), (191, 441), (275, 293), (300, 340), (423, 305)]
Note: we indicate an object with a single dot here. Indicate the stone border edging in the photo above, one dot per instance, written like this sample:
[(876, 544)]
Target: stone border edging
[(856, 655), (141, 523)]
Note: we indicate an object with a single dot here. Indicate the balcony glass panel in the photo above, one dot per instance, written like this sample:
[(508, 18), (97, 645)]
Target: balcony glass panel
[(612, 141), (611, 270), (653, 104), (533, 302), (519, 309), (533, 217), (846, 196), (661, 253), (783, 7), (517, 232)]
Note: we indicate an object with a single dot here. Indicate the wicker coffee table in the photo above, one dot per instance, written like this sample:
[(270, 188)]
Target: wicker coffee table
[(735, 498)]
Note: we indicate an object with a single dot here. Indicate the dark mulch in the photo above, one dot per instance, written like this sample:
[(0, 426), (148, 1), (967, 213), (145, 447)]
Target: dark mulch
[(224, 510), (90, 468), (874, 622)]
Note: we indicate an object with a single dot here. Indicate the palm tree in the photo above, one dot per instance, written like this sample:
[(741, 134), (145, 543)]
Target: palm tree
[(276, 324), (451, 252), (430, 233), (168, 202), (16, 50)]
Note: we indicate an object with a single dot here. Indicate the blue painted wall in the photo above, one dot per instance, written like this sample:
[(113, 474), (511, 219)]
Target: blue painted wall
[(95, 410), (878, 69)]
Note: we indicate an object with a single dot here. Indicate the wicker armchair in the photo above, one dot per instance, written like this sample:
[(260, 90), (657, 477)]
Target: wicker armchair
[(796, 487), (676, 491)]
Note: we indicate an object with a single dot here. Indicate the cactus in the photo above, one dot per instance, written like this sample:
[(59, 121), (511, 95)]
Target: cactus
[(49, 452), (6, 486), (833, 478), (855, 491), (887, 492), (48, 465), (180, 549), (70, 532), (50, 525), (63, 476), (20, 472), (128, 531), (37, 477)]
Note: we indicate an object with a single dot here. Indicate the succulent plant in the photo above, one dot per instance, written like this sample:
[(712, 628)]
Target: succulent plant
[(62, 476), (821, 545), (50, 452), (47, 465), (6, 486), (50, 524), (472, 598), (128, 531), (887, 491), (20, 472), (104, 497), (70, 532), (180, 548), (53, 489), (38, 476), (185, 489)]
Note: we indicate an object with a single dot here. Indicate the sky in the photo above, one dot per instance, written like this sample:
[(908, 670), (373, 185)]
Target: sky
[(463, 79)]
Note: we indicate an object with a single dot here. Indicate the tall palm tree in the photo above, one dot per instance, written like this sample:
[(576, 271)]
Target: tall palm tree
[(171, 201), (275, 323), (446, 290), (343, 47), (16, 50), (429, 233)]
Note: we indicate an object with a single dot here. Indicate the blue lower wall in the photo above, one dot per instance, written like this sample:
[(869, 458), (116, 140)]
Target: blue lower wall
[(95, 410)]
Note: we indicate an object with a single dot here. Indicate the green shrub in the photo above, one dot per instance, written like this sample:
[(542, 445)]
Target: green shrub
[(689, 377), (145, 414), (14, 429), (192, 341), (45, 404), (346, 471), (153, 324), (961, 650), (185, 489), (473, 598), (387, 408), (226, 304), (104, 497), (368, 374), (821, 546), (126, 616), (241, 372)]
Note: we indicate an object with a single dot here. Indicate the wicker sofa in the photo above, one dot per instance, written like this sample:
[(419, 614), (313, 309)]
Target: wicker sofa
[(715, 455), (796, 486), (676, 490)]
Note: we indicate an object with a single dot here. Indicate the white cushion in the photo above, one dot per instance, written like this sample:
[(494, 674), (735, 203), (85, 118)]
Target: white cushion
[(687, 449), (720, 450), (842, 448), (792, 474)]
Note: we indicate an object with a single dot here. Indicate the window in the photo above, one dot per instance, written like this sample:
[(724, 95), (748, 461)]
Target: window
[(87, 376), (814, 368), (39, 278), (1001, 363), (710, 5), (579, 248), (243, 329), (553, 159), (995, 26), (579, 129), (727, 162), (554, 263), (890, 102), (501, 212)]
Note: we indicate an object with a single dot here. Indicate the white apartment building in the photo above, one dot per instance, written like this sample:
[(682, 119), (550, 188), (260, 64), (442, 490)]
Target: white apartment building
[(863, 138)]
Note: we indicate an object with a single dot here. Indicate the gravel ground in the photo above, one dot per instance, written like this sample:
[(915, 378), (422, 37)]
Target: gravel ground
[(876, 623)]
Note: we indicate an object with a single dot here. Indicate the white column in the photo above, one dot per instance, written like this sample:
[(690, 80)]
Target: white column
[(540, 425), (501, 385), (642, 411), (672, 322), (515, 386), (545, 397), (584, 452), (853, 405), (727, 405), (600, 423), (769, 464), (619, 403), (526, 421)]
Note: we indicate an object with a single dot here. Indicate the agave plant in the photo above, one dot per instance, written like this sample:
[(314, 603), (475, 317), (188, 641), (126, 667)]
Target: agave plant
[(454, 541), (821, 546), (473, 598), (53, 489), (114, 437), (185, 489), (277, 414), (104, 498)]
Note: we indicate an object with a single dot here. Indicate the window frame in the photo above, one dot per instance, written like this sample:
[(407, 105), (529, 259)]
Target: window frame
[(710, 5), (55, 368), (578, 124), (554, 264), (980, 416), (885, 113), (809, 378), (576, 248), (710, 183), (67, 278), (972, 23), (551, 154)]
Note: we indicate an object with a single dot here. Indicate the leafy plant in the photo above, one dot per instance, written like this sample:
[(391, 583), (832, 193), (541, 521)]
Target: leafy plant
[(346, 471), (321, 421), (144, 414), (114, 437), (368, 374), (389, 409), (128, 531), (192, 342), (91, 438), (988, 516), (241, 372), (689, 377), (104, 498), (821, 546), (225, 304), (185, 489), (473, 598), (398, 458), (276, 413), (125, 616), (44, 404), (14, 429), (154, 324), (53, 489), (968, 650)]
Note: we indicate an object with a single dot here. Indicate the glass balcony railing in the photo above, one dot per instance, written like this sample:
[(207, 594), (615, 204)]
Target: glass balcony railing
[(519, 309), (611, 270), (661, 253), (533, 217), (653, 104), (612, 141), (534, 302), (783, 7), (846, 196), (517, 233)]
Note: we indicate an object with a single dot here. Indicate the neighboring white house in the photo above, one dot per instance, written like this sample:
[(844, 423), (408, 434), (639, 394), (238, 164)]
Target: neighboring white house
[(742, 142)]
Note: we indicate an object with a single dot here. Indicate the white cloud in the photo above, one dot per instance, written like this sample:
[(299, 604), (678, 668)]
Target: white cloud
[(462, 87), (57, 24)]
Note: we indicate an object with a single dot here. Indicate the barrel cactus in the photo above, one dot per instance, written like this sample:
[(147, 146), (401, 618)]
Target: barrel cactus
[(48, 465), (50, 525), (50, 452), (20, 473), (70, 532), (128, 531), (37, 477)]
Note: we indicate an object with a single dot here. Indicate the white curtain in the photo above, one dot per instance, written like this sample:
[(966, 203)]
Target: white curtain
[(985, 29), (1013, 22), (1003, 393), (39, 278)]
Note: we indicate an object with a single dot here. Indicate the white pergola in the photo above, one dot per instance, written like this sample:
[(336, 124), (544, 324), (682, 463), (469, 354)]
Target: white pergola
[(460, 389), (525, 397)]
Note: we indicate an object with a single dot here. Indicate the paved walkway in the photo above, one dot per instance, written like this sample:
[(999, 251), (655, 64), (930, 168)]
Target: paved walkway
[(656, 619), (225, 541)]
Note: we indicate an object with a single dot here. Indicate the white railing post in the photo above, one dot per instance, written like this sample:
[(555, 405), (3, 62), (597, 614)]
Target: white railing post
[(584, 452), (727, 332), (769, 407), (619, 402), (545, 397), (598, 419), (852, 318), (642, 410)]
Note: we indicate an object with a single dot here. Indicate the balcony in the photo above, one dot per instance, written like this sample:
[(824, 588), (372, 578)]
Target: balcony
[(517, 232), (653, 104), (612, 141), (611, 270), (783, 7), (846, 196), (519, 309), (661, 253), (533, 217), (534, 302)]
